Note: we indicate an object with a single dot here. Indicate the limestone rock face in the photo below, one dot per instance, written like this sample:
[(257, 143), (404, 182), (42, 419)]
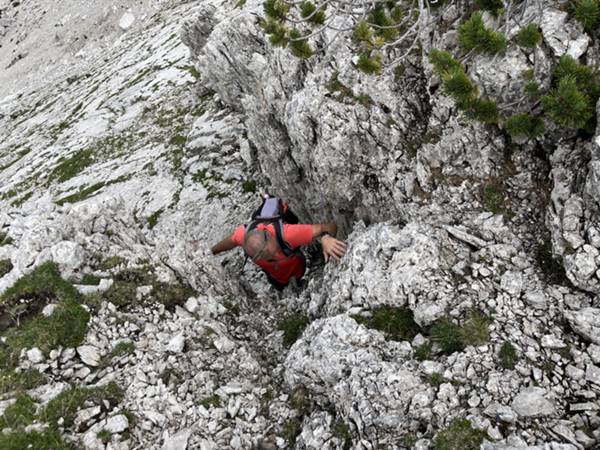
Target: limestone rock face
[(336, 358), (395, 265)]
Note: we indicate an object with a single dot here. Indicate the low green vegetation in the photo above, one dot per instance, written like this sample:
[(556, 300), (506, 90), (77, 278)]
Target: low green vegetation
[(492, 197), (587, 13), (529, 36), (460, 435), (214, 401), (5, 267), (292, 326), (104, 435), (299, 399), (68, 167), (122, 348), (153, 218), (508, 356), (460, 87), (448, 336), (435, 379), (396, 323), (524, 125), (452, 337), (493, 6), (110, 262), (474, 36), (423, 352), (249, 186), (19, 381), (58, 413), (341, 430), (81, 194), (65, 327), (5, 239), (290, 431)]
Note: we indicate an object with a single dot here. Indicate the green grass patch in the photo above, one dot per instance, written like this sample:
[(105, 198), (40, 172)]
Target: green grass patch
[(122, 348), (153, 218), (66, 327), (508, 356), (493, 199), (5, 267), (396, 323), (10, 380), (67, 168), (81, 194), (423, 352), (5, 239), (49, 439), (67, 403), (435, 379), (551, 266), (476, 328), (19, 414), (448, 336), (290, 431), (90, 280), (460, 435), (292, 326), (341, 430), (214, 401), (104, 435)]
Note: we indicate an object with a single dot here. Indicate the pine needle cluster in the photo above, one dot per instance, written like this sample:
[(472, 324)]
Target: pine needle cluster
[(461, 88), (576, 90), (524, 125), (587, 13), (493, 6), (473, 35), (529, 36)]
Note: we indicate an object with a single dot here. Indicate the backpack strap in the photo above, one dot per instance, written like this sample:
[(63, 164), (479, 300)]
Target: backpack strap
[(285, 247)]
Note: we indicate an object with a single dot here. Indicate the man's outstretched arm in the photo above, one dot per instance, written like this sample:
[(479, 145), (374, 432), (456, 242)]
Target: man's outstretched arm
[(223, 246)]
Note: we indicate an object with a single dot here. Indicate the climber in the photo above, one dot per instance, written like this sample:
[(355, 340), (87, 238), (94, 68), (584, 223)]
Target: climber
[(273, 245)]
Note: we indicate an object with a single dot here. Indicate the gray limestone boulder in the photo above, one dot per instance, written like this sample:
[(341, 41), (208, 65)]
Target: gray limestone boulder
[(586, 322), (395, 265), (532, 402), (346, 364)]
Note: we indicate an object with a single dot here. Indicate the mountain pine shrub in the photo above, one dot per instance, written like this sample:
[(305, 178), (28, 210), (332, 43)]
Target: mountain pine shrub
[(587, 13), (493, 6), (529, 36), (299, 46), (524, 125), (483, 110), (309, 11), (568, 106), (473, 35), (369, 64), (442, 61)]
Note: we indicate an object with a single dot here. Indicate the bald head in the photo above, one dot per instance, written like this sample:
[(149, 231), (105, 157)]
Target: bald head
[(254, 242)]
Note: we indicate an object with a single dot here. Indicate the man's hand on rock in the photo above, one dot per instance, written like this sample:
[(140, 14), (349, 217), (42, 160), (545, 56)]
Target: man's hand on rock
[(332, 248)]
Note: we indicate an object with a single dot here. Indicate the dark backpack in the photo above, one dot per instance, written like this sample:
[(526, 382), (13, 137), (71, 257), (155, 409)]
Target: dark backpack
[(274, 210)]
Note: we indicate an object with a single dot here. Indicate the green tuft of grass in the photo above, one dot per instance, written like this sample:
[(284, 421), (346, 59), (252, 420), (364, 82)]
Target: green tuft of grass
[(104, 435), (5, 267), (435, 379), (448, 336), (122, 348), (48, 439), (508, 355), (292, 326), (423, 352), (67, 403), (398, 324), (90, 279), (110, 262), (249, 186), (5, 239), (10, 380), (460, 435), (290, 431), (214, 401), (67, 168), (476, 328), (20, 414), (153, 218), (66, 327), (121, 293), (299, 399), (341, 430), (493, 200)]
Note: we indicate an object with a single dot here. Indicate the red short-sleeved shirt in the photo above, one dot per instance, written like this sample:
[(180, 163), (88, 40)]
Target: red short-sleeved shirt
[(285, 266)]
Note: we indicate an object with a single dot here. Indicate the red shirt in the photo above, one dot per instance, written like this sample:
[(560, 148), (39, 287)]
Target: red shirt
[(284, 267)]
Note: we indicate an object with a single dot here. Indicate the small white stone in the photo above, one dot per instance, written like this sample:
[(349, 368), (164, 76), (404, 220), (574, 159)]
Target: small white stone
[(49, 309), (176, 344), (35, 355), (117, 424), (126, 20), (89, 354)]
